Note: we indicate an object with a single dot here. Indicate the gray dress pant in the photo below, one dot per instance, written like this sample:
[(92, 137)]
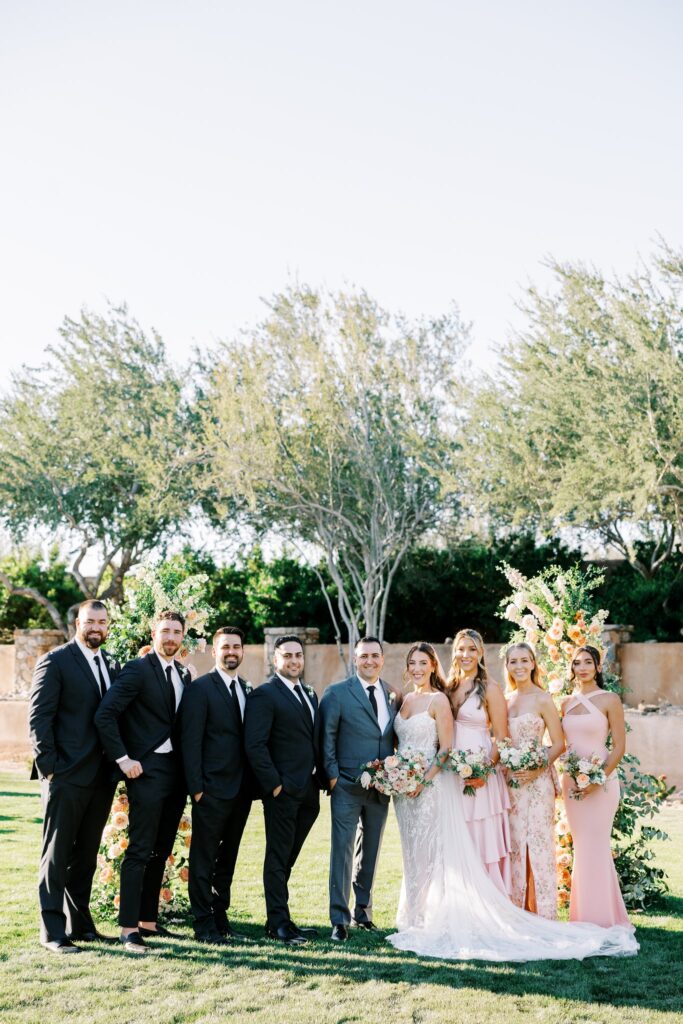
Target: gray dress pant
[(358, 819)]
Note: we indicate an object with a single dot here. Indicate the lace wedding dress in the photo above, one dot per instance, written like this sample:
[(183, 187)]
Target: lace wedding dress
[(449, 907)]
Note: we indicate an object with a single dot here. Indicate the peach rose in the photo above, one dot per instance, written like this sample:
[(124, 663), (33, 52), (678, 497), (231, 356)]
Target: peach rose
[(114, 851), (170, 859), (184, 874), (106, 875), (595, 628), (554, 654), (123, 843), (188, 840), (185, 823), (390, 762), (464, 771), (166, 895), (117, 900), (120, 820), (582, 780)]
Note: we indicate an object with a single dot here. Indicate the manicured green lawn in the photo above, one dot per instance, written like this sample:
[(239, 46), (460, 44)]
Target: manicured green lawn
[(366, 981)]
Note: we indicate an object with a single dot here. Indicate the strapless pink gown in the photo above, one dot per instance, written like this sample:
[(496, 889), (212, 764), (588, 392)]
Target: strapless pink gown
[(595, 895), (486, 813)]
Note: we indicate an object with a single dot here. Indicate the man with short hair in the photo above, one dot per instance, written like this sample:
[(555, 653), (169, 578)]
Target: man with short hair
[(77, 784), (220, 782), (138, 724), (357, 717), (282, 743)]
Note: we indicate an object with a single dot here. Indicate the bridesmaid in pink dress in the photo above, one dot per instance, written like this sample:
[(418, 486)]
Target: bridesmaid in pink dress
[(479, 710), (531, 711), (589, 715)]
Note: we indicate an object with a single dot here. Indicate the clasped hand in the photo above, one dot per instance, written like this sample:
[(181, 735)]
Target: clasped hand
[(130, 768)]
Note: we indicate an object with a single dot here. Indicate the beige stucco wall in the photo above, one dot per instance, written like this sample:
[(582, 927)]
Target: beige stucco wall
[(652, 673), (6, 668)]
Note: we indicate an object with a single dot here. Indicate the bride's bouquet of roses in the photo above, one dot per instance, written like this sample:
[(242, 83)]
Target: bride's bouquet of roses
[(397, 775), (585, 771), (469, 765), (525, 758)]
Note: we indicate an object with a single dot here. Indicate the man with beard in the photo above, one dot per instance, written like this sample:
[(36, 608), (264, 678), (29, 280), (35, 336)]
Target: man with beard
[(220, 782), (76, 782), (138, 724), (282, 729)]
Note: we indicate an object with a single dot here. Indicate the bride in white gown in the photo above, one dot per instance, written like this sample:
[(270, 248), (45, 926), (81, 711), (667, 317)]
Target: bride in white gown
[(449, 908)]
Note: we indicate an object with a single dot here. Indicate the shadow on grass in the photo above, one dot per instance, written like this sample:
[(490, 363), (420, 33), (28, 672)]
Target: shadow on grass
[(615, 981)]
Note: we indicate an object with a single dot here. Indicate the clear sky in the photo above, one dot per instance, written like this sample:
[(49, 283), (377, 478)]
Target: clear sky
[(190, 158)]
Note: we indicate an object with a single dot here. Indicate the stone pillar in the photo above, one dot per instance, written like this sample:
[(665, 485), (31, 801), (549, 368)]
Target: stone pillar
[(29, 646), (613, 636), (305, 634)]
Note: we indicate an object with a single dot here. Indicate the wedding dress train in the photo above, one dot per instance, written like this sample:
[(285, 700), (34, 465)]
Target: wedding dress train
[(449, 908)]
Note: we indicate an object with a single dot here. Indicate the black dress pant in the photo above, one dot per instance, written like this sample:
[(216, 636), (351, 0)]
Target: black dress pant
[(288, 821), (217, 827), (156, 804), (73, 820)]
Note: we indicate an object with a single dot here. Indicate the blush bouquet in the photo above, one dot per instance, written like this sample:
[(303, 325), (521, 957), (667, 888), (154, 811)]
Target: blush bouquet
[(397, 775), (469, 765), (585, 771), (525, 758)]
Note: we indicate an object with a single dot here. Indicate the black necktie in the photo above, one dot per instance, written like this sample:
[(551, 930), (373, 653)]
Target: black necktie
[(235, 698), (373, 701), (169, 676), (300, 694), (103, 685)]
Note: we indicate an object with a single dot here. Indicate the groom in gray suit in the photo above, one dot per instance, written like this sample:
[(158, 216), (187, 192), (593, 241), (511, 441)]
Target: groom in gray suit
[(357, 726)]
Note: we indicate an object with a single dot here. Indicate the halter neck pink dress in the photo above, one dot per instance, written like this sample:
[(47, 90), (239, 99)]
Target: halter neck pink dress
[(486, 813), (595, 895)]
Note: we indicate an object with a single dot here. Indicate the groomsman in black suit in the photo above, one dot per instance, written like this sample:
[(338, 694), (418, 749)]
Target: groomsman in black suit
[(282, 730), (220, 782), (138, 724), (76, 781)]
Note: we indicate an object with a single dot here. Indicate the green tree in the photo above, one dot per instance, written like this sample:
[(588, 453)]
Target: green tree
[(29, 573), (93, 449), (583, 426), (331, 421)]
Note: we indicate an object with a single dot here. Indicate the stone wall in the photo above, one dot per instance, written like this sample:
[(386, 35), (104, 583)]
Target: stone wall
[(29, 646)]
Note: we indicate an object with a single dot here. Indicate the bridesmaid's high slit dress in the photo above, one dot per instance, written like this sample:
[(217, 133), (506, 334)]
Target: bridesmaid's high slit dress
[(595, 896)]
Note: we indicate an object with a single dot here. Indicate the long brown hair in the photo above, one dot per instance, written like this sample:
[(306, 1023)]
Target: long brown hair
[(481, 679), (535, 672), (437, 680), (595, 655)]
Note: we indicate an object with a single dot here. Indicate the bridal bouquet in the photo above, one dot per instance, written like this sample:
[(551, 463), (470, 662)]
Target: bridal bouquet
[(469, 765), (397, 775), (526, 758), (585, 771)]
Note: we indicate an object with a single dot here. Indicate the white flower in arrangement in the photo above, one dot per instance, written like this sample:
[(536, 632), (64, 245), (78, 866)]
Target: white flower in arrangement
[(512, 613), (464, 771), (548, 595), (391, 762), (529, 622), (584, 765), (519, 600), (365, 780), (473, 758), (554, 684)]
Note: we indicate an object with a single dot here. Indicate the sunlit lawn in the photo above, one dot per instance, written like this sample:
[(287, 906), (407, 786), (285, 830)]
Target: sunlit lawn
[(365, 981)]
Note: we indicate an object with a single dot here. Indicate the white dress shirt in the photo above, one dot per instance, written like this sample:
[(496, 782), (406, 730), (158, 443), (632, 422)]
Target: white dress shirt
[(291, 685), (241, 699), (90, 656), (383, 716)]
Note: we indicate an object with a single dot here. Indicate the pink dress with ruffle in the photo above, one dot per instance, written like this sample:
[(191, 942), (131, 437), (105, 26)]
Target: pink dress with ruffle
[(486, 813), (596, 896)]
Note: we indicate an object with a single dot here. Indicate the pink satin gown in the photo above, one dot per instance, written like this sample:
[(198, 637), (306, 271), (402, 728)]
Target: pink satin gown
[(486, 813), (532, 830), (595, 895)]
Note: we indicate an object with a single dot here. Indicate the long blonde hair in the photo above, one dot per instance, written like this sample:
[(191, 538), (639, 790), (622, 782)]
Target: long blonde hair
[(535, 672), (481, 679)]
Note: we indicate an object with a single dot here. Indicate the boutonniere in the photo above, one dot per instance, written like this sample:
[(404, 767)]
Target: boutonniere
[(391, 696), (309, 690), (247, 687)]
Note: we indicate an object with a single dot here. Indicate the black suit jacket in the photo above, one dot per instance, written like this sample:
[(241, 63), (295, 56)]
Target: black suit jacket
[(212, 739), (282, 743), (64, 699), (137, 714)]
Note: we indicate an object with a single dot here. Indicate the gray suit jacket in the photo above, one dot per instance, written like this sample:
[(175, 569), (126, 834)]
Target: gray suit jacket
[(350, 730)]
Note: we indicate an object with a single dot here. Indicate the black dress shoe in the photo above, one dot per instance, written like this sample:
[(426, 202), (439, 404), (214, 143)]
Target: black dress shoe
[(340, 933), (159, 932), (308, 933), (134, 943), (287, 934), (367, 926), (61, 946), (91, 937), (230, 933), (211, 938)]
